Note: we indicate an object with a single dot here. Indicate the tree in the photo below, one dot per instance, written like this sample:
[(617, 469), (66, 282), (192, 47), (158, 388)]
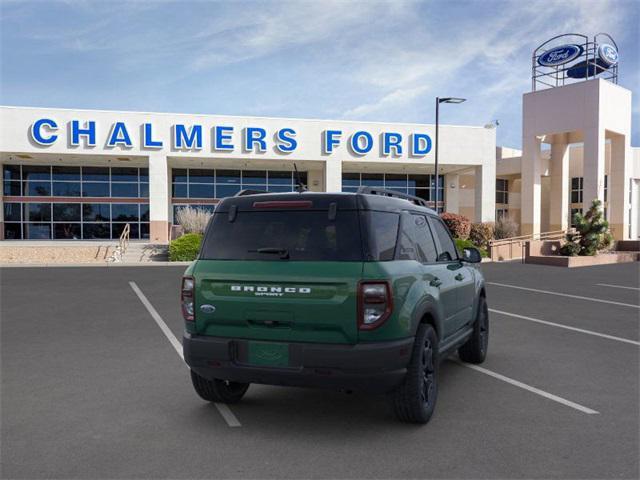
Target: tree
[(591, 235)]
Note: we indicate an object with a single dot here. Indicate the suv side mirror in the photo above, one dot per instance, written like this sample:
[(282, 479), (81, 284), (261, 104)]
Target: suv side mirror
[(471, 255)]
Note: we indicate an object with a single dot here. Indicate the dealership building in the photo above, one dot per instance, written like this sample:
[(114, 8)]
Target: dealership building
[(85, 174)]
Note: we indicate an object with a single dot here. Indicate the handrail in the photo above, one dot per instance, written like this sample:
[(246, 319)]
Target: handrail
[(123, 244), (534, 236), (521, 243)]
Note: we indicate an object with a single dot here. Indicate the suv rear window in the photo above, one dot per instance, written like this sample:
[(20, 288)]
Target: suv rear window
[(307, 235)]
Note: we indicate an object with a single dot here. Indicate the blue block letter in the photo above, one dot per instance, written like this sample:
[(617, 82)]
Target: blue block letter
[(392, 140), (255, 135), (36, 131), (89, 131), (184, 139), (286, 140), (119, 136), (330, 140), (221, 137), (355, 142), (421, 144), (147, 138)]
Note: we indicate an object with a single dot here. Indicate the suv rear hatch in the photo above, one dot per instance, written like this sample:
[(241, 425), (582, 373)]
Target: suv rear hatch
[(284, 269)]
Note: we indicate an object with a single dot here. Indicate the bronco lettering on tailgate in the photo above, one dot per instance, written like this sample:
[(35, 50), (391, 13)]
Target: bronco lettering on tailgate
[(270, 291)]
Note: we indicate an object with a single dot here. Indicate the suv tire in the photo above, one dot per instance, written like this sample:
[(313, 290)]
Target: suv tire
[(475, 349), (415, 400), (220, 391)]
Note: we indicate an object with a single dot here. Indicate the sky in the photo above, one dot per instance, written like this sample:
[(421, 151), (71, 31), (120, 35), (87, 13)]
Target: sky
[(344, 60)]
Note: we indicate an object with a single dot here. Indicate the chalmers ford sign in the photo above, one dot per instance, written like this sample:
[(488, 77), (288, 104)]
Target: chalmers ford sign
[(222, 138)]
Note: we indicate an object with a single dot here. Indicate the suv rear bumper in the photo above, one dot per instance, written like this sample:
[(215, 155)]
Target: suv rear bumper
[(370, 367)]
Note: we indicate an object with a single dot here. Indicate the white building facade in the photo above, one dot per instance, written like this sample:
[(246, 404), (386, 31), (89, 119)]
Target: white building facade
[(85, 174)]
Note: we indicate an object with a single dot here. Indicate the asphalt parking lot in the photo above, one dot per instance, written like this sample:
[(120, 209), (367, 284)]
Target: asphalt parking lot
[(92, 387)]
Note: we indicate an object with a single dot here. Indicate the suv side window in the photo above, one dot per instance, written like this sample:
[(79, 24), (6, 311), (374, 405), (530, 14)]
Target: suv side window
[(415, 241), (424, 240), (407, 239), (383, 233), (447, 249)]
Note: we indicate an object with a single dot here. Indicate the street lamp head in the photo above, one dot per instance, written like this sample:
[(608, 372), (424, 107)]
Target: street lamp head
[(451, 100)]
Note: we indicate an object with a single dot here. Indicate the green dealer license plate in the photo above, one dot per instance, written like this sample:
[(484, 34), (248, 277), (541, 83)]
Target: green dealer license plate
[(269, 354)]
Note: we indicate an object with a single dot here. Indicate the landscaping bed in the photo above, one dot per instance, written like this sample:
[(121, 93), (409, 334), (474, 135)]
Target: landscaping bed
[(583, 261)]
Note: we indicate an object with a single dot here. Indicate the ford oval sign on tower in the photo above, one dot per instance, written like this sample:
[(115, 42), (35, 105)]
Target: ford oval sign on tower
[(571, 57), (560, 55), (608, 54)]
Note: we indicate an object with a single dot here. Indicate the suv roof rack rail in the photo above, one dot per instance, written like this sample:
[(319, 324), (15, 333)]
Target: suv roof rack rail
[(248, 191), (393, 193)]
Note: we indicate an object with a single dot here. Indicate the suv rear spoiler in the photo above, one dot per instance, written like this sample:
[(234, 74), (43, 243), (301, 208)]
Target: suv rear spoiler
[(392, 193)]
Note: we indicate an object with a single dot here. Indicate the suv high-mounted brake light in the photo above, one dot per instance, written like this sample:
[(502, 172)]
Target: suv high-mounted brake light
[(187, 298), (284, 204), (375, 304)]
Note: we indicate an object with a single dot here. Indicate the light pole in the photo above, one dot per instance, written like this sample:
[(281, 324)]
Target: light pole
[(438, 102)]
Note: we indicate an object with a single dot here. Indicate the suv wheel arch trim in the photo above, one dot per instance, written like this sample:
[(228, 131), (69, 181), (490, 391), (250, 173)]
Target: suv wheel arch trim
[(424, 311)]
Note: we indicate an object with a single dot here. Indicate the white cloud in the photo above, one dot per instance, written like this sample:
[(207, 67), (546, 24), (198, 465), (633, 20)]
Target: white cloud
[(487, 55)]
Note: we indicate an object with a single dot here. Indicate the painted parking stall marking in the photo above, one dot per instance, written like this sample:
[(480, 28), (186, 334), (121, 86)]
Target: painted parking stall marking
[(566, 327), (224, 410), (617, 286), (524, 386), (579, 297)]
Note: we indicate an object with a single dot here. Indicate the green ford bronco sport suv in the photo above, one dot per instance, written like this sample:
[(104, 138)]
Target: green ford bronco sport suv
[(354, 291)]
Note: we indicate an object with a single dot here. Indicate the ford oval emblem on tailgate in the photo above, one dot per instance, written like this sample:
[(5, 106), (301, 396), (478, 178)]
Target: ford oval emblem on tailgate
[(206, 308)]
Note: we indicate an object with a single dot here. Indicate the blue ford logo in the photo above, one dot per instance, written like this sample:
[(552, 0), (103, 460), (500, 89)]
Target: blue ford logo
[(560, 55), (608, 54), (206, 308)]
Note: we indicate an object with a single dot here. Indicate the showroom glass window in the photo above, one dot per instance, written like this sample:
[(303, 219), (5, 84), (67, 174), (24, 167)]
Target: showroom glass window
[(502, 191), (576, 190), (77, 201), (196, 186), (422, 186)]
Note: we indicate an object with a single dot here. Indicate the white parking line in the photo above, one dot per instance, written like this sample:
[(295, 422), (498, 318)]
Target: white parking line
[(617, 286), (529, 388), (590, 299), (224, 409), (566, 327)]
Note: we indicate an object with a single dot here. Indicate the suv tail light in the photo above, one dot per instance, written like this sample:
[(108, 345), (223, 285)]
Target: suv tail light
[(375, 304), (187, 294)]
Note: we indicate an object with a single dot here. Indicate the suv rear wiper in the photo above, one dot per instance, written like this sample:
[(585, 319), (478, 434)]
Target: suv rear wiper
[(283, 252)]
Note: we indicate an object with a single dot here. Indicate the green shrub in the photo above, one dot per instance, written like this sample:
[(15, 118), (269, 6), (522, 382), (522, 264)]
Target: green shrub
[(458, 225), (570, 249), (592, 233), (185, 248), (462, 244), (481, 233)]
